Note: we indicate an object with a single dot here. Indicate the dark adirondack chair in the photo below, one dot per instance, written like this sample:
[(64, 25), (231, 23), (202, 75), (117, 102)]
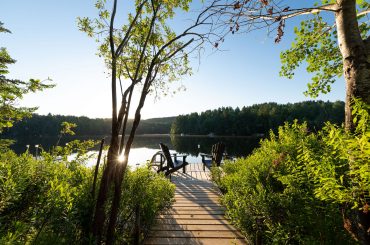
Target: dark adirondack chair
[(166, 162), (157, 162), (214, 158)]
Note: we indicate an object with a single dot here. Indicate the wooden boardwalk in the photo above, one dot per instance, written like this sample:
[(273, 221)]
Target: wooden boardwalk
[(196, 217)]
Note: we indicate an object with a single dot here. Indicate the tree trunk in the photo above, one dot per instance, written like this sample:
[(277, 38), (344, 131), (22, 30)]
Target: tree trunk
[(106, 181), (119, 175), (356, 64), (356, 68)]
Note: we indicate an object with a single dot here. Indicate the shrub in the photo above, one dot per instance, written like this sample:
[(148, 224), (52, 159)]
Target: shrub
[(146, 192), (272, 194), (43, 201), (48, 201)]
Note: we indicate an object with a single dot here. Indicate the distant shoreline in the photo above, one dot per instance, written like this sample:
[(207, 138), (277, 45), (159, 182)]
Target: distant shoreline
[(201, 136)]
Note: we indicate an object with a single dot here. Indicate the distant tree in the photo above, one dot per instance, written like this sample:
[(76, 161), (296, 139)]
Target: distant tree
[(329, 48), (145, 55), (260, 118), (12, 90)]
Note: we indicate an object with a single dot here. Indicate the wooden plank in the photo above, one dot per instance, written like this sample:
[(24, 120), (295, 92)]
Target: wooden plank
[(203, 241), (195, 212), (184, 197), (196, 201), (203, 209), (196, 217), (187, 191), (193, 227), (198, 188), (198, 234), (194, 182), (197, 193), (194, 204), (197, 196), (196, 185), (192, 221), (192, 216)]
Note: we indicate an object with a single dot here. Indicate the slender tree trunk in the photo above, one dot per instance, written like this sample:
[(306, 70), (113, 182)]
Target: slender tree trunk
[(119, 175), (97, 169), (115, 203), (99, 216), (356, 64), (106, 181), (356, 68)]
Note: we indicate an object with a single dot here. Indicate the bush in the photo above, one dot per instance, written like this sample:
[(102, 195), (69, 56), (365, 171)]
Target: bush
[(273, 194), (43, 201), (146, 192), (48, 201)]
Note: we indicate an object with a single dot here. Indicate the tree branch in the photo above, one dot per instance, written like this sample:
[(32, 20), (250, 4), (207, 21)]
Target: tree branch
[(128, 33), (111, 30), (367, 11)]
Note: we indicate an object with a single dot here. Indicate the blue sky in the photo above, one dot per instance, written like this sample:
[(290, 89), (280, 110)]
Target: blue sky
[(46, 42)]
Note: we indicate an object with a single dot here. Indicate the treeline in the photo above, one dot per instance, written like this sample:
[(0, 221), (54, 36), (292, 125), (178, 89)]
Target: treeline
[(251, 120), (49, 125), (258, 119)]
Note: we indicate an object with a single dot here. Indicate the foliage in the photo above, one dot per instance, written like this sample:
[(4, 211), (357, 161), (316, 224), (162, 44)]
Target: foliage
[(289, 190), (259, 118), (44, 201), (342, 171), (146, 192), (48, 201), (67, 128), (146, 47), (316, 44), (12, 90)]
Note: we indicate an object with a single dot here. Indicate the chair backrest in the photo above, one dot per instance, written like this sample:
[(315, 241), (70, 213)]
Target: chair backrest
[(167, 154), (217, 152)]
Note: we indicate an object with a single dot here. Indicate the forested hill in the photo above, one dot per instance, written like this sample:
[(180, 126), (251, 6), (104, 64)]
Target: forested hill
[(249, 120), (49, 125), (258, 119)]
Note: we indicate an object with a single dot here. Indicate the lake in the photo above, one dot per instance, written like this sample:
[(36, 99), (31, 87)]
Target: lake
[(145, 146)]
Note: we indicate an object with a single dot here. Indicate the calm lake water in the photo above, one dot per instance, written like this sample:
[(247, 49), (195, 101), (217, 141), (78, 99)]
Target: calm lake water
[(145, 146)]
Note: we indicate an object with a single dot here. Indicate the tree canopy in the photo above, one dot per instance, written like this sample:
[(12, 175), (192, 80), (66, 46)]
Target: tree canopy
[(329, 47), (12, 90)]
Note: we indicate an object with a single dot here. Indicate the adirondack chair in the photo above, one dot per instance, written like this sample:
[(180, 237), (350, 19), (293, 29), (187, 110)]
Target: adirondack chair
[(216, 156), (166, 162), (157, 162)]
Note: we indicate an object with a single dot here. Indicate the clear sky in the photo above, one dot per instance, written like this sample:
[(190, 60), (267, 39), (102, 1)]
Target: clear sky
[(46, 42)]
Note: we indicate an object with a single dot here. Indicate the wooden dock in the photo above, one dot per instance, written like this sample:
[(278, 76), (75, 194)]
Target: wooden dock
[(196, 217)]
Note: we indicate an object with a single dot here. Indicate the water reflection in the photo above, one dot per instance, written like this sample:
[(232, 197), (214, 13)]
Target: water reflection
[(144, 146), (235, 146)]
